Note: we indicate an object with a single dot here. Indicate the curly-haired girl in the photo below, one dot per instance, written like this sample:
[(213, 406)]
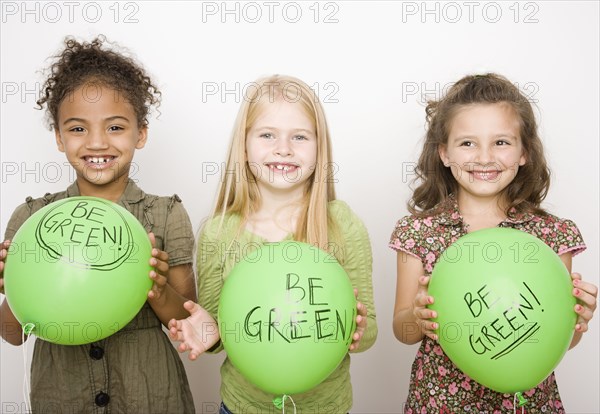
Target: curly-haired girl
[(97, 101)]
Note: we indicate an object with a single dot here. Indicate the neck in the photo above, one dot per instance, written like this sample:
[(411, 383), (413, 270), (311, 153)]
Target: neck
[(275, 202), (481, 212), (277, 215), (112, 191)]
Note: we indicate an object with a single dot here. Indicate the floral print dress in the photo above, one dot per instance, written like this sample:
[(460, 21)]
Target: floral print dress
[(436, 384)]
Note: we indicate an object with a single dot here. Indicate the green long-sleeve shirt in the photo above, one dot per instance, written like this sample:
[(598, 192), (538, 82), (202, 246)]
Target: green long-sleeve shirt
[(221, 246)]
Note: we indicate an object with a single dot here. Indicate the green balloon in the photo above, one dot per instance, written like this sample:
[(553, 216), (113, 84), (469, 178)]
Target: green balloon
[(287, 314), (505, 308), (77, 270)]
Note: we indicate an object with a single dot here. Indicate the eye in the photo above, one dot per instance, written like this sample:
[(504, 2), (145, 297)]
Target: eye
[(299, 138), (467, 144), (266, 135), (502, 142), (115, 128), (76, 129)]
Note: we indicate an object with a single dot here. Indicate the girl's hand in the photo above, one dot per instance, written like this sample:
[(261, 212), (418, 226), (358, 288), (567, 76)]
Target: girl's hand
[(361, 323), (3, 253), (421, 312), (159, 275), (586, 294), (196, 333)]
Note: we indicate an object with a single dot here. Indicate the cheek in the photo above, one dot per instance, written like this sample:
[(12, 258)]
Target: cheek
[(69, 147), (514, 160), (457, 173), (311, 154), (250, 152)]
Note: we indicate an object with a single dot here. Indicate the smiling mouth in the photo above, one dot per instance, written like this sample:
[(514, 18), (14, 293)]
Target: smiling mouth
[(282, 167), (486, 175), (99, 161)]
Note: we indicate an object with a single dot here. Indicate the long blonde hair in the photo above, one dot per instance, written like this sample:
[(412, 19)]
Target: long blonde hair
[(238, 192)]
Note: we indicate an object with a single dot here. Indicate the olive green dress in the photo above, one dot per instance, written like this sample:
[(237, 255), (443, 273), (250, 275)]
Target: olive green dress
[(136, 370)]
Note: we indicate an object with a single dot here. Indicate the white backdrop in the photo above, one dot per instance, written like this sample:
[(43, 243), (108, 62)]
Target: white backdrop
[(371, 64)]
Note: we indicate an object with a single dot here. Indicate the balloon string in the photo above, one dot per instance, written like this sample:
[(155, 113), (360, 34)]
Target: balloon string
[(283, 403), (26, 330)]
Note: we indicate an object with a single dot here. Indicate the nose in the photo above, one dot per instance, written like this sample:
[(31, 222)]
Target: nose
[(283, 147), (484, 156), (96, 140)]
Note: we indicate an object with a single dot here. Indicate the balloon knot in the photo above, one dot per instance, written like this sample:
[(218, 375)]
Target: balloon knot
[(278, 402), (28, 328), (522, 400)]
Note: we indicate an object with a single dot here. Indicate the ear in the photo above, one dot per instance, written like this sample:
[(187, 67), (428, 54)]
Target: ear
[(142, 137), (443, 155), (523, 159), (59, 142)]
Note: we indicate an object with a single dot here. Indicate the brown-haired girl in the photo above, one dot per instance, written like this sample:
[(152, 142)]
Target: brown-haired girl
[(482, 166)]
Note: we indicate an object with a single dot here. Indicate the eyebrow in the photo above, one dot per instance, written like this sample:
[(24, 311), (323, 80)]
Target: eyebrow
[(109, 119), (468, 136), (308, 131)]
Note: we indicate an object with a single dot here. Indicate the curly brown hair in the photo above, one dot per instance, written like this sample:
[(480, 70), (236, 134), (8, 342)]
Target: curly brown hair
[(91, 62), (529, 187)]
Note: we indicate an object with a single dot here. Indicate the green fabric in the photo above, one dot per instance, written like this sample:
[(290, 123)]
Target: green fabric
[(140, 370), (220, 248)]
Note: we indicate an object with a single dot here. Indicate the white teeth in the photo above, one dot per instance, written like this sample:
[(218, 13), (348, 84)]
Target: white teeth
[(282, 167), (485, 175), (99, 160)]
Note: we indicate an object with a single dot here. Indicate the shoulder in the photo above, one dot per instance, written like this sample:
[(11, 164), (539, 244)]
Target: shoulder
[(168, 202), (40, 202), (340, 211), (159, 209), (561, 234), (219, 227), (403, 230), (133, 195), (416, 227), (552, 220), (552, 225), (406, 221), (337, 207), (422, 237), (28, 208), (345, 221), (347, 233)]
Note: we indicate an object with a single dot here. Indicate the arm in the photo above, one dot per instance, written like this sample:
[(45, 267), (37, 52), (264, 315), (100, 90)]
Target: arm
[(410, 322), (172, 256), (357, 260), (172, 287), (199, 332), (586, 294), (10, 328), (211, 273)]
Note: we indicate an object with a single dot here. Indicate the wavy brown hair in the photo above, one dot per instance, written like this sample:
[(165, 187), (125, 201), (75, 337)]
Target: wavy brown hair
[(435, 182), (96, 64)]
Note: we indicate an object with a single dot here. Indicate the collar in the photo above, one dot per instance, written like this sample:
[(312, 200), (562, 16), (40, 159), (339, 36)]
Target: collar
[(132, 194), (450, 214)]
